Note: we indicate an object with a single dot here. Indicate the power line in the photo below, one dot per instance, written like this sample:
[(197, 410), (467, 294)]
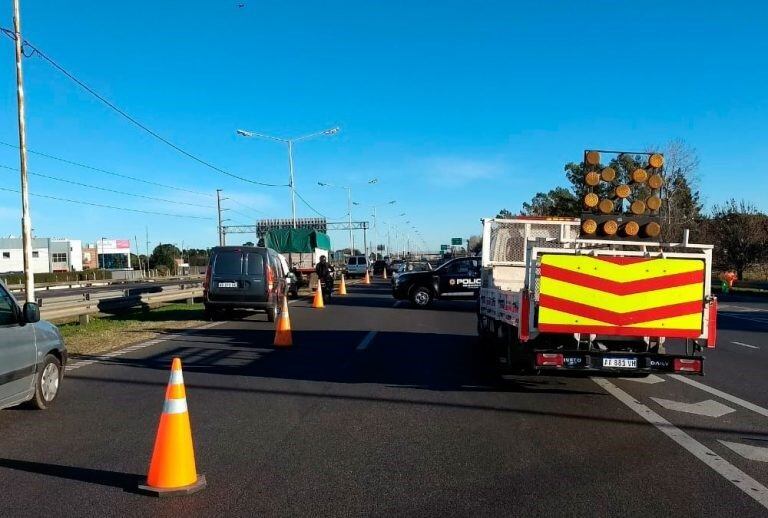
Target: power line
[(80, 202), (105, 171), (310, 206), (130, 118), (105, 189)]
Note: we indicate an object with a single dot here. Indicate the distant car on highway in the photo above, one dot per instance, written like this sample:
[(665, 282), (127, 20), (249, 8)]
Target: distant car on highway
[(244, 277), (32, 355), (456, 279), (357, 265)]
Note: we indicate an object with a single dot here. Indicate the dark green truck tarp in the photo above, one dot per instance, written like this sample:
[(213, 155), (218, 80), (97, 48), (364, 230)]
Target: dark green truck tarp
[(296, 240)]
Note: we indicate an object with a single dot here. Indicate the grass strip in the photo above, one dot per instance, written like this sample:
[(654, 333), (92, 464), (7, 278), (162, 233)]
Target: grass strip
[(103, 334)]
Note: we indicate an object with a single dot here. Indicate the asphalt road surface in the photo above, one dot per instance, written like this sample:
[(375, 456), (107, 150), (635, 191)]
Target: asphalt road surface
[(384, 410)]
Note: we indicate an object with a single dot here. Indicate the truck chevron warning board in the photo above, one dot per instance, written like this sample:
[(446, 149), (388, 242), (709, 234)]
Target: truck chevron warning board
[(626, 296)]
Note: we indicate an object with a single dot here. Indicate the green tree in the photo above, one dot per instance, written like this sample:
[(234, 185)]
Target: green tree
[(740, 235), (505, 214), (248, 243), (557, 202), (165, 256), (475, 244)]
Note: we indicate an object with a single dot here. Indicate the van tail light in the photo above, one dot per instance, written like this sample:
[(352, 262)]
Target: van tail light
[(687, 365), (270, 278), (207, 281), (549, 360)]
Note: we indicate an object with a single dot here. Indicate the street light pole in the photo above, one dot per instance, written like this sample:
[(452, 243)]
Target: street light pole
[(289, 142), (292, 182), (26, 223)]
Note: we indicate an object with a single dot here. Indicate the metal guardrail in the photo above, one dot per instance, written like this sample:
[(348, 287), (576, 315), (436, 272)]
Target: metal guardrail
[(100, 282), (73, 310)]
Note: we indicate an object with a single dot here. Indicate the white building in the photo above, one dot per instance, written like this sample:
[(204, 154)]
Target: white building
[(48, 255)]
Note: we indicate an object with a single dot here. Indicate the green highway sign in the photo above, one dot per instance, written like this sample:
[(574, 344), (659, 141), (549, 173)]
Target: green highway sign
[(443, 247), (456, 241)]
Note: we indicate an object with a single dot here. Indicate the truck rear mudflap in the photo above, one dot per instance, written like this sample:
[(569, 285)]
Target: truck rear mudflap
[(617, 362)]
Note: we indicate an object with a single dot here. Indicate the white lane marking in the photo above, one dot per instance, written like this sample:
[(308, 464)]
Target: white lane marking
[(725, 469), (759, 310), (651, 379), (747, 451), (746, 345), (724, 395), (366, 341), (708, 408)]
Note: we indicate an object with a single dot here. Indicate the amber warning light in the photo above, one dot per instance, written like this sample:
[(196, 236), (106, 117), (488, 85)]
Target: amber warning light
[(622, 195)]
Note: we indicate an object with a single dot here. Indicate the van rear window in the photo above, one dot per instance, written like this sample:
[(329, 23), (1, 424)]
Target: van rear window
[(351, 261), (228, 263), (255, 264)]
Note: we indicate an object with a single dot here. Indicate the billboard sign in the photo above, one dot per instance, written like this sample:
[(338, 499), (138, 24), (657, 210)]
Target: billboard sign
[(113, 246), (456, 241)]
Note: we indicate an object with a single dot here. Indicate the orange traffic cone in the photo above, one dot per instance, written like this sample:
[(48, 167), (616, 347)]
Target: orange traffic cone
[(342, 287), (367, 279), (317, 303), (385, 273), (172, 469), (283, 336)]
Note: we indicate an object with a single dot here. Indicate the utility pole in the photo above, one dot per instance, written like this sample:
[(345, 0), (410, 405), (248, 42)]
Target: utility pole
[(218, 207), (146, 231), (138, 253), (26, 223)]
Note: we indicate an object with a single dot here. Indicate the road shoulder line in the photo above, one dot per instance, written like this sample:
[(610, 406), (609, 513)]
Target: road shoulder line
[(719, 393), (722, 467)]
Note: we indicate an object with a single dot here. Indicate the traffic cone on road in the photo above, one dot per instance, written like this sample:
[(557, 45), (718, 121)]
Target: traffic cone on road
[(367, 279), (342, 286), (283, 336), (385, 273), (317, 303), (172, 469)]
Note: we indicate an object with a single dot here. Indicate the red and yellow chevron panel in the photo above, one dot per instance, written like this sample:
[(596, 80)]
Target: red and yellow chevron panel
[(627, 296)]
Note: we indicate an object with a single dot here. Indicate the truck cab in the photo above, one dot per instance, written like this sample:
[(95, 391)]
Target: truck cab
[(455, 279)]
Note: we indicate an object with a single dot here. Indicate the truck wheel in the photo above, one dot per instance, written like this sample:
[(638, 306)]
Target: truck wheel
[(47, 382), (421, 297)]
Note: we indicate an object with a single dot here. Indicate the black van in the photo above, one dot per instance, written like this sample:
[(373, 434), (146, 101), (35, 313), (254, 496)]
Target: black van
[(244, 277)]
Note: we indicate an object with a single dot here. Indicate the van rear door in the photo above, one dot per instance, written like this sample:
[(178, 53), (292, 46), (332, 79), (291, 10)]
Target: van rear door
[(254, 282), (227, 276)]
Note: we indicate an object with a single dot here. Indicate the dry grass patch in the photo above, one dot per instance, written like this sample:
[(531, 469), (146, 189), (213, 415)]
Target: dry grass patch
[(105, 334)]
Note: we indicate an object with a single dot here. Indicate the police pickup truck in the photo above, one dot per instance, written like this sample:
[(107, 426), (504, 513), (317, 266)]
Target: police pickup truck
[(455, 279)]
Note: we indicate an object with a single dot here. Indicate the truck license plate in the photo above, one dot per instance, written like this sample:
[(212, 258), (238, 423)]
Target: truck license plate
[(621, 363), (227, 285)]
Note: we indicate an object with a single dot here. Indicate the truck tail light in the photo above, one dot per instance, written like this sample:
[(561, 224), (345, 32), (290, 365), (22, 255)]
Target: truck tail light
[(549, 360), (712, 324), (687, 365)]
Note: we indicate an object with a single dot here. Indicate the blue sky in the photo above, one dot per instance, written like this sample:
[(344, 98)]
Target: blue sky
[(458, 109)]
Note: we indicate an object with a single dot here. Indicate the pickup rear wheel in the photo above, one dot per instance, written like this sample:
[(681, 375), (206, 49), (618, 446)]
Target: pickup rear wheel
[(421, 297)]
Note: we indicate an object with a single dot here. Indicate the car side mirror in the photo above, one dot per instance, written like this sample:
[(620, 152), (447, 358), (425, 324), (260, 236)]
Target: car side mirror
[(30, 313)]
